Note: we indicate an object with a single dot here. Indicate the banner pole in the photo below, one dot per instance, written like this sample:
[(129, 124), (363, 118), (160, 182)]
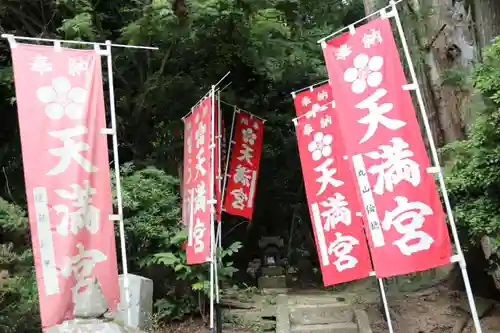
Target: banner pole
[(242, 110), (394, 12), (386, 305), (228, 156), (295, 92), (117, 181), (212, 215), (218, 240), (383, 296), (48, 40), (219, 168)]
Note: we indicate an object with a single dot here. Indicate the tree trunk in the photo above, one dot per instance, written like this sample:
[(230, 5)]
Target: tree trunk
[(487, 20)]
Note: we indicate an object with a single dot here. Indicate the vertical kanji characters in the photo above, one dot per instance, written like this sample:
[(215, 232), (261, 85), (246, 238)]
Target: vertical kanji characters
[(65, 155), (198, 154), (382, 139), (244, 165), (330, 189)]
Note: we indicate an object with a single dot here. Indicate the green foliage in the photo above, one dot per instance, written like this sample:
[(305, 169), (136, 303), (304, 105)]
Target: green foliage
[(155, 239), (151, 211), (195, 280), (18, 294), (473, 170)]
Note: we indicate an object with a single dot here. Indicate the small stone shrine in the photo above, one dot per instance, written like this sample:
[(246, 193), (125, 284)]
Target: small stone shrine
[(272, 278)]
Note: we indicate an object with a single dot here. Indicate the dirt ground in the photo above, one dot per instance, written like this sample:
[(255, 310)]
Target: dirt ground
[(436, 310), (192, 326)]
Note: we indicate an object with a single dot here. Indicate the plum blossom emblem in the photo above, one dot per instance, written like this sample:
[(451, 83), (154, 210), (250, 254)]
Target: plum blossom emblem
[(365, 72), (60, 99), (320, 146)]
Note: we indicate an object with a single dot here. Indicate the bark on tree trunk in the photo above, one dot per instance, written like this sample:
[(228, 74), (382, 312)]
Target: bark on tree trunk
[(487, 20)]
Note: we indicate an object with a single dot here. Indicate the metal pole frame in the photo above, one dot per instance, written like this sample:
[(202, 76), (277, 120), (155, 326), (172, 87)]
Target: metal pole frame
[(213, 200), (437, 166), (112, 109), (213, 203), (228, 156), (218, 236), (59, 41)]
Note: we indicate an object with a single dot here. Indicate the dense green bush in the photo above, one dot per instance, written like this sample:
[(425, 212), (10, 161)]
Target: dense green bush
[(155, 238), (154, 234), (19, 310)]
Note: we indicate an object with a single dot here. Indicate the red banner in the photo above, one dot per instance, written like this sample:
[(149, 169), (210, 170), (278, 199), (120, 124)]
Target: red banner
[(61, 114), (330, 189), (198, 249), (244, 165), (313, 100), (381, 134)]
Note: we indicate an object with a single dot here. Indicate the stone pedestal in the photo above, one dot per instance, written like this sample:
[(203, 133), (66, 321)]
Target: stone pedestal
[(141, 303), (90, 303), (91, 326), (272, 282), (273, 277)]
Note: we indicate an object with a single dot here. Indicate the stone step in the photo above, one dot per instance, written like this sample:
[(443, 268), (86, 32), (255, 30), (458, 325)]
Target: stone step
[(310, 314), (329, 328), (272, 282), (272, 270)]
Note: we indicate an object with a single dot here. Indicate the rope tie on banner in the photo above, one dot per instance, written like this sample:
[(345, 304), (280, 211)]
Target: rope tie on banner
[(217, 90), (238, 110), (57, 46), (312, 86)]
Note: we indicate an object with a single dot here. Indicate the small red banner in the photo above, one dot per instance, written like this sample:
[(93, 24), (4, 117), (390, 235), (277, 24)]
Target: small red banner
[(200, 191), (244, 165), (330, 189)]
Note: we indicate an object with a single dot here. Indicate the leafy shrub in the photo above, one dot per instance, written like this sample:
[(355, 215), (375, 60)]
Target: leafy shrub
[(155, 237), (473, 168), (19, 311), (151, 209)]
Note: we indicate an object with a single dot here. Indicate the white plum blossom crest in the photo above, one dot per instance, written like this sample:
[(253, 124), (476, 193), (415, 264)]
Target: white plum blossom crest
[(320, 146), (60, 99), (365, 72), (306, 101)]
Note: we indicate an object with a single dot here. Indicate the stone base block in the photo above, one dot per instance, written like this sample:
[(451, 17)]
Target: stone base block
[(90, 326), (362, 321), (272, 282), (274, 291), (273, 271), (141, 302), (312, 314)]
